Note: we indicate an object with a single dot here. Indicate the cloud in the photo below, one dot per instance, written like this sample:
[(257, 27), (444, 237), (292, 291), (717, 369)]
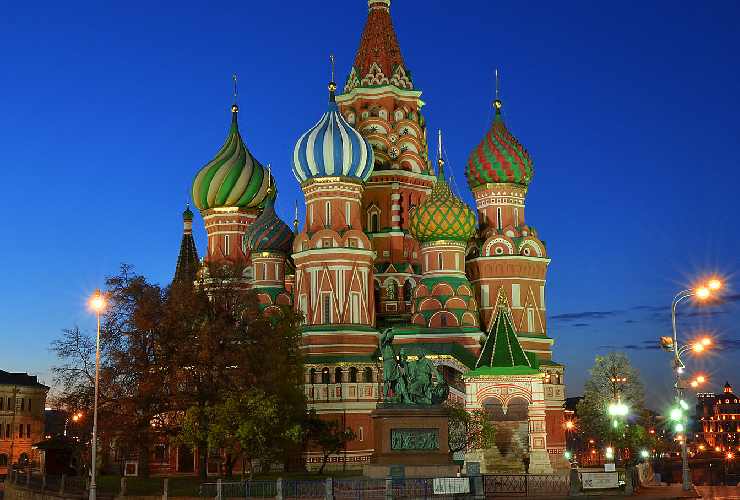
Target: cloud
[(645, 345), (729, 344), (581, 324), (630, 321), (584, 315)]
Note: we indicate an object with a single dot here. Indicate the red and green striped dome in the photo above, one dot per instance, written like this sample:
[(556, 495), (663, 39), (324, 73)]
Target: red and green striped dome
[(499, 157)]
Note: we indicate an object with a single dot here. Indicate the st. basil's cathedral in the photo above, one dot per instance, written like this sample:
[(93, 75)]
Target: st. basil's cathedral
[(387, 243)]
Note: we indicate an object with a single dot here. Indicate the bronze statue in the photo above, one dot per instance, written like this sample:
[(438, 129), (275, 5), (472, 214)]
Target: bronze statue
[(409, 382)]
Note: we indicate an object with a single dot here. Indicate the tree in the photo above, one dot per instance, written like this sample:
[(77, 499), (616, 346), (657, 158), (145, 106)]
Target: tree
[(251, 425), (614, 379), (327, 435), (225, 347), (468, 429)]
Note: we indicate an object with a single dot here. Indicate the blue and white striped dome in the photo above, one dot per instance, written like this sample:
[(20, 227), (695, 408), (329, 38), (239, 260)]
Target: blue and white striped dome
[(332, 148)]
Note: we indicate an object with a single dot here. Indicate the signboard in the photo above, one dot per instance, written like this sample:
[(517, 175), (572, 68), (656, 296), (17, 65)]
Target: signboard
[(450, 485), (610, 467), (599, 480), (414, 439), (473, 468)]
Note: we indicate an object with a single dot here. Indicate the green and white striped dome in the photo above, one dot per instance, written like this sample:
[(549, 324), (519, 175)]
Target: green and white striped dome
[(234, 178)]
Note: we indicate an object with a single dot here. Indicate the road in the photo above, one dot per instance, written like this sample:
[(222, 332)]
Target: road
[(720, 492)]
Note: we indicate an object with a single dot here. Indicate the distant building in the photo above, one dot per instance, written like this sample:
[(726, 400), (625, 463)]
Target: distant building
[(22, 401), (718, 420)]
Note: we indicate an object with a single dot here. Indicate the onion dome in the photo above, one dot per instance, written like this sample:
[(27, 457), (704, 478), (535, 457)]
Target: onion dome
[(442, 215), (268, 233), (499, 157), (332, 148), (234, 178)]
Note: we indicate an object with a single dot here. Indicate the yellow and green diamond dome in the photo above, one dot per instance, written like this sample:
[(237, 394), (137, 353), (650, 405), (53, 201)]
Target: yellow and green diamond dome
[(442, 215)]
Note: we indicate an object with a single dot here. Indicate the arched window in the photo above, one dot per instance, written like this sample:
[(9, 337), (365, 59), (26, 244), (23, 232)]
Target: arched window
[(376, 289), (367, 374), (408, 290), (374, 222), (325, 378), (312, 376), (3, 460), (353, 374), (338, 376), (391, 291), (443, 320)]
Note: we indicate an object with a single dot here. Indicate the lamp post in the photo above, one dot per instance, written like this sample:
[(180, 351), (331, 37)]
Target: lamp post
[(702, 292), (97, 304)]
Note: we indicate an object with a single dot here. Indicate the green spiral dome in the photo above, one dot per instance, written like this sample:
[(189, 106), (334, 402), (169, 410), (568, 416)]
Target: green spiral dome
[(234, 178), (442, 215)]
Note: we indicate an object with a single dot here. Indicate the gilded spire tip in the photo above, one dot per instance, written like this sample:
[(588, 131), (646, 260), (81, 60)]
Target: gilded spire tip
[(332, 85)]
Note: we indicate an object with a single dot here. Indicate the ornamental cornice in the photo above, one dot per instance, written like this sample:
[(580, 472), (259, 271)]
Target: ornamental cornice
[(379, 91), (445, 243), (498, 187), (329, 180)]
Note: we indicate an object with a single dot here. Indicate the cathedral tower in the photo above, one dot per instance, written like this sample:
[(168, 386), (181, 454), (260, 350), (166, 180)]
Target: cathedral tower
[(230, 191), (380, 101), (334, 277), (508, 255)]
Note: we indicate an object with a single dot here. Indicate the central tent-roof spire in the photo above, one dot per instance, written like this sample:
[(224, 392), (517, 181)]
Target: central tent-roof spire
[(378, 60)]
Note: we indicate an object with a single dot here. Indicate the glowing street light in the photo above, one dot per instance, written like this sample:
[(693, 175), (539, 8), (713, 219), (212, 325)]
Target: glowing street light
[(702, 293), (97, 304), (644, 453)]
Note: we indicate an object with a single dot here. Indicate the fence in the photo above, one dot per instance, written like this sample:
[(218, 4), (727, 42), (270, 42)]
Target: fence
[(487, 486)]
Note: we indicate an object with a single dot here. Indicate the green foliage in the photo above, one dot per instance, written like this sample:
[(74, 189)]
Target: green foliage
[(327, 435), (600, 391), (468, 429)]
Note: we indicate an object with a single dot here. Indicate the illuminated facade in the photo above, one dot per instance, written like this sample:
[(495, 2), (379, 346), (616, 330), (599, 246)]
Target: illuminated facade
[(385, 242), (718, 419)]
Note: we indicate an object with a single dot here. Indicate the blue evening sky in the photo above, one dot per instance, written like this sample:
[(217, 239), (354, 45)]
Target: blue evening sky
[(630, 109)]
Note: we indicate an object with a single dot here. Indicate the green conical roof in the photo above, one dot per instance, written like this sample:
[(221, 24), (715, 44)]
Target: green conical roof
[(502, 353)]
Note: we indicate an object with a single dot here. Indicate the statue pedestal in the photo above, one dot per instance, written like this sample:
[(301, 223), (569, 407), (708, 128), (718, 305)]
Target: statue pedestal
[(411, 441)]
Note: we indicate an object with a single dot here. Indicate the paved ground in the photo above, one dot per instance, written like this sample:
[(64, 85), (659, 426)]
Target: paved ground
[(664, 492), (722, 492)]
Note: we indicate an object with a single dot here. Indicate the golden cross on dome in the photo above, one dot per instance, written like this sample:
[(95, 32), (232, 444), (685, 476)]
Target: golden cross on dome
[(331, 61), (497, 101), (233, 78)]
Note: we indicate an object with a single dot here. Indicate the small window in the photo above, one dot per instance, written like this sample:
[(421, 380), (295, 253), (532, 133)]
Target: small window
[(310, 213), (160, 453), (352, 242), (408, 289), (327, 308), (361, 434), (325, 378), (327, 213), (347, 214), (326, 242), (226, 244), (338, 375), (353, 374), (374, 222), (2, 401), (367, 375), (530, 319), (28, 430), (29, 405), (4, 459), (443, 320), (312, 376), (440, 261), (499, 219), (23, 404), (355, 308), (277, 271)]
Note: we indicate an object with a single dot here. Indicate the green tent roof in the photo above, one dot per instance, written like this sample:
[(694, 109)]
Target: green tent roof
[(502, 353)]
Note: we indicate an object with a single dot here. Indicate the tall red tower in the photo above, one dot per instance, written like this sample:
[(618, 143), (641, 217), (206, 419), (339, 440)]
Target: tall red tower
[(381, 102), (334, 278), (508, 255)]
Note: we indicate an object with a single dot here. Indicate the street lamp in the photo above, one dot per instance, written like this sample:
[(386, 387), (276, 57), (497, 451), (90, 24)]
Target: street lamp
[(702, 293), (97, 304)]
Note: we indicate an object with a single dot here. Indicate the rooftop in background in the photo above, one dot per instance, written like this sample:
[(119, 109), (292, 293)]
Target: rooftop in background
[(20, 379)]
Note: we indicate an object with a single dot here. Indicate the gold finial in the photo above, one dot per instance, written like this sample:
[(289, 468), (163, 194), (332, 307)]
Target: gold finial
[(440, 161), (295, 218), (497, 102), (332, 85), (234, 105)]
